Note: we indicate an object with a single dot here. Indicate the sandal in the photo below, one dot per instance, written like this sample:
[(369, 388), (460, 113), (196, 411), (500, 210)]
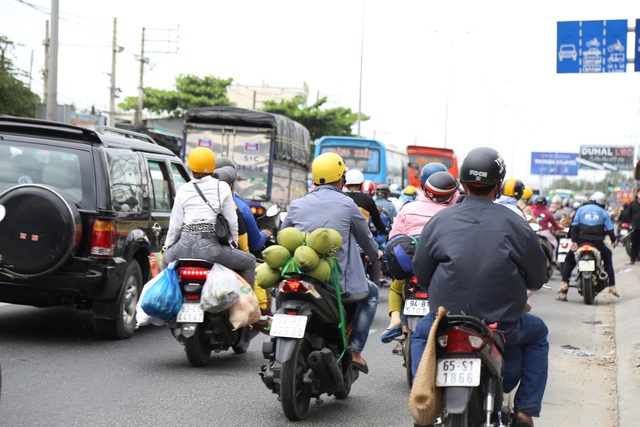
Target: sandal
[(390, 333)]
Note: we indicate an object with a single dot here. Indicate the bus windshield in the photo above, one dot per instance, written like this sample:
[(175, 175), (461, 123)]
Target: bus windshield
[(363, 158)]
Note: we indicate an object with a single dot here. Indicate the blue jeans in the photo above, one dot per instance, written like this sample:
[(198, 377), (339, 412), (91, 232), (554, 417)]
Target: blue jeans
[(526, 359), (366, 306)]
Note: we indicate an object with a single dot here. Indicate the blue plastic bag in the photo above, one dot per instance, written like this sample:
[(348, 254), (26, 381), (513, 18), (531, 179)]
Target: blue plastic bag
[(163, 299)]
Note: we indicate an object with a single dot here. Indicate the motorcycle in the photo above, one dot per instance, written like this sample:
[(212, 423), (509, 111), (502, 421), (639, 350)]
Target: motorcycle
[(469, 367), (624, 237), (592, 277), (564, 244), (308, 353), (416, 306), (202, 332), (547, 247)]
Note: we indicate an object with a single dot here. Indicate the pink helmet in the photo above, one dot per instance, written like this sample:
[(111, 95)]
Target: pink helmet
[(368, 187)]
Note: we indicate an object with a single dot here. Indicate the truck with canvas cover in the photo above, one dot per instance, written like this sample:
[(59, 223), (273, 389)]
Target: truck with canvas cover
[(271, 151)]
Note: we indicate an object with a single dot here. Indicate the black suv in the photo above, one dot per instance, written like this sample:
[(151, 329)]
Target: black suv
[(80, 212)]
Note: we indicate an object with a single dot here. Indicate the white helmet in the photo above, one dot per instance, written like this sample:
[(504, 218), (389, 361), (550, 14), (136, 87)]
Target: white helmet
[(354, 177), (599, 198), (395, 190)]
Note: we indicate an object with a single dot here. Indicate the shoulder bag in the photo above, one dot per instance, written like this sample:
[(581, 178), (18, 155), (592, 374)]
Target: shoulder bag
[(222, 227)]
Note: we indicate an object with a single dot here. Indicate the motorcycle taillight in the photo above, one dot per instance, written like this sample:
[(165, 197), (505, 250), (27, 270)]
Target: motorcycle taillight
[(624, 225), (294, 285), (460, 341), (193, 273), (421, 295)]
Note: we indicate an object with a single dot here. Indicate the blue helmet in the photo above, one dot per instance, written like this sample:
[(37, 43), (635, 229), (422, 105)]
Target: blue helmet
[(429, 169)]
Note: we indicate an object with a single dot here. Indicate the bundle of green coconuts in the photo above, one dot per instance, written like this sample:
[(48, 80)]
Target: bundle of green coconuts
[(310, 253)]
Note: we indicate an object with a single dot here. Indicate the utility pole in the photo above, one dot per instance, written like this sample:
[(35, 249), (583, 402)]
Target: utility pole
[(112, 98), (45, 73), (361, 57), (138, 117), (52, 99)]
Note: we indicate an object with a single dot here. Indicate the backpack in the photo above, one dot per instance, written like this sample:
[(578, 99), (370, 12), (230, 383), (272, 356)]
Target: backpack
[(398, 255)]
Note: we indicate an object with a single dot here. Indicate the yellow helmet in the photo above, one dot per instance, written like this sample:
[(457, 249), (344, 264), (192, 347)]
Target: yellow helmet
[(527, 193), (201, 160), (409, 190), (327, 168), (513, 187)]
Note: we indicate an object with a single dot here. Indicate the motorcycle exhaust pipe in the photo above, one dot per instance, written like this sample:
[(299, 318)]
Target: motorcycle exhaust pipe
[(603, 275), (325, 368)]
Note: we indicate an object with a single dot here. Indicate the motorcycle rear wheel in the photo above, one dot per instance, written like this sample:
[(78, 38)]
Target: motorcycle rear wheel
[(628, 246), (198, 347), (294, 393), (588, 292), (457, 420), (406, 354)]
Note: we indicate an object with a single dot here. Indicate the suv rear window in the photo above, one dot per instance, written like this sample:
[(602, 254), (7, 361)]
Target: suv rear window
[(67, 169)]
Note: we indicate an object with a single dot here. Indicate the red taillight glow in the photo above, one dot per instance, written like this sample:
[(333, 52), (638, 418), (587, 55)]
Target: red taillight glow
[(257, 211), (624, 225), (194, 297), (564, 245), (421, 295), (193, 273), (586, 248), (293, 285), (103, 238), (460, 341), (414, 280)]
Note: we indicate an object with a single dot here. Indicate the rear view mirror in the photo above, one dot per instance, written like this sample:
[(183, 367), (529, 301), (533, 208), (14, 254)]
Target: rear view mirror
[(272, 211)]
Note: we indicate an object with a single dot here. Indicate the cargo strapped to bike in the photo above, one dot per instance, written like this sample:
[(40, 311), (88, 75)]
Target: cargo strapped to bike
[(290, 270)]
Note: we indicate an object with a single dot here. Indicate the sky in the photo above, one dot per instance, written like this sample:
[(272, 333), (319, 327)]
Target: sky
[(454, 74)]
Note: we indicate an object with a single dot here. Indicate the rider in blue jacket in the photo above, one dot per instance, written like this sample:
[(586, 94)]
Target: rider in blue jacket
[(592, 224)]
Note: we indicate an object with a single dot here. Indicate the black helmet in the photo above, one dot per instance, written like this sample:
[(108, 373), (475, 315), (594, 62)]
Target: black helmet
[(440, 187), (541, 200), (383, 190), (484, 166), (513, 187)]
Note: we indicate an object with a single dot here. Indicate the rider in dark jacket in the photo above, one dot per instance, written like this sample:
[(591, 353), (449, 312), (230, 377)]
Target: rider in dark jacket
[(478, 258)]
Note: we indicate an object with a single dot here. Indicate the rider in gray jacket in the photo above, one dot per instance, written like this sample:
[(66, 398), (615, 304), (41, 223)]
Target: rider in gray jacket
[(328, 207)]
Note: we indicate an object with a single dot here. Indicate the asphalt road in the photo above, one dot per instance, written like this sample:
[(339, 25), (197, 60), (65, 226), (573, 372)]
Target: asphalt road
[(56, 372)]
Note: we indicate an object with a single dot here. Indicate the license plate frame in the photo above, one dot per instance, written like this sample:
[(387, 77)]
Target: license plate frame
[(416, 307), (190, 313), (458, 372), (288, 325), (587, 265)]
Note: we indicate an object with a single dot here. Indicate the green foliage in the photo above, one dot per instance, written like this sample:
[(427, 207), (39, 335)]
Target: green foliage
[(334, 121), (191, 92), (15, 98), (612, 180)]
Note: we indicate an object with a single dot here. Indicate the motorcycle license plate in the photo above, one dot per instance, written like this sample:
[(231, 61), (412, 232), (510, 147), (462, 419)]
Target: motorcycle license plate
[(561, 257), (416, 307), (288, 326), (190, 313), (587, 265), (624, 232), (458, 373)]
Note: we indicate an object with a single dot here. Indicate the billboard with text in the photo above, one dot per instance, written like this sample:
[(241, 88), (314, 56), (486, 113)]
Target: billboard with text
[(565, 164)]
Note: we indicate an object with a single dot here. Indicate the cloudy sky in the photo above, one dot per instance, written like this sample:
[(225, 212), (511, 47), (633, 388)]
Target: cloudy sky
[(458, 74)]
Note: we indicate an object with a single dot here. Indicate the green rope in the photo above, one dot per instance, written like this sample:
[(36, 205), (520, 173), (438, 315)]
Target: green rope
[(334, 279)]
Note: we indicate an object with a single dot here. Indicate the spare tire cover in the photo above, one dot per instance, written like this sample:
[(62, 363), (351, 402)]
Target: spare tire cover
[(41, 229)]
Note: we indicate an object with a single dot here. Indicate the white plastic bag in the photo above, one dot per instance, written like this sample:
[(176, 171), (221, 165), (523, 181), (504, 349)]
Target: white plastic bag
[(246, 310), (221, 289), (142, 318)]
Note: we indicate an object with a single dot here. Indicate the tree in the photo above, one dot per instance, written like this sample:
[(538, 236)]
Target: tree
[(15, 98), (191, 92), (333, 121)]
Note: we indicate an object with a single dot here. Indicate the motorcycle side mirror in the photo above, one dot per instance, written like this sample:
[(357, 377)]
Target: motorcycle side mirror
[(534, 226), (272, 211)]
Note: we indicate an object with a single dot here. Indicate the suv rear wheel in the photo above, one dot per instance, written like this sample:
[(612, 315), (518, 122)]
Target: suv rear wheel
[(124, 307)]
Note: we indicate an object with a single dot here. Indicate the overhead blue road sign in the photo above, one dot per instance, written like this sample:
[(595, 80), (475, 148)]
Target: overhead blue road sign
[(592, 46), (636, 59), (554, 164)]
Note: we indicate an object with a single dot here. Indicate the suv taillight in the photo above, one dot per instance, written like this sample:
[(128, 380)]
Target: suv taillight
[(103, 238)]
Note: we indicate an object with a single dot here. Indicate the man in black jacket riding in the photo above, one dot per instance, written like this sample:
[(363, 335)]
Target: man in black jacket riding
[(478, 258)]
